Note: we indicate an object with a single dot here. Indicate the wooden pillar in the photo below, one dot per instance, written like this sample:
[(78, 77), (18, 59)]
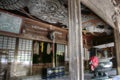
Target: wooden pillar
[(75, 41), (117, 44)]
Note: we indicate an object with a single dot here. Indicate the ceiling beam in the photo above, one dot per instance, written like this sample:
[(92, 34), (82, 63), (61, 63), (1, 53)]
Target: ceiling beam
[(105, 12)]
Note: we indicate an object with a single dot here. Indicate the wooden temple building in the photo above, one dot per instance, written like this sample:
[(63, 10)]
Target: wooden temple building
[(56, 38)]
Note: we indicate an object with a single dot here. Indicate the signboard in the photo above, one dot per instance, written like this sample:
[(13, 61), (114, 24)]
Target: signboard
[(10, 23)]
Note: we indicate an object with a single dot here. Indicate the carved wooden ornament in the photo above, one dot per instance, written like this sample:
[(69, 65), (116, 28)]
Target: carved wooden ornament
[(48, 10), (13, 4)]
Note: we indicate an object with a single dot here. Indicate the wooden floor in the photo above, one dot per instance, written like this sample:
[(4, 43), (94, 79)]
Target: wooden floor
[(87, 76), (111, 73)]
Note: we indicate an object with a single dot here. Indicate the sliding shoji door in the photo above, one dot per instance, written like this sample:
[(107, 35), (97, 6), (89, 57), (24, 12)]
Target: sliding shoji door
[(7, 53), (24, 58)]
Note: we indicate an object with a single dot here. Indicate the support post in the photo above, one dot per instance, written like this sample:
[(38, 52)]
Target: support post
[(117, 44), (75, 41)]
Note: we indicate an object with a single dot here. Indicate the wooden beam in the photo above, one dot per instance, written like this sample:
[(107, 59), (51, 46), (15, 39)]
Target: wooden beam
[(75, 41), (104, 12), (26, 13), (51, 27)]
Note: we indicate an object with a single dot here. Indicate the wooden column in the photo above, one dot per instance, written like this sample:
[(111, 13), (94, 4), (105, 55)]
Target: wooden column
[(117, 44), (75, 41)]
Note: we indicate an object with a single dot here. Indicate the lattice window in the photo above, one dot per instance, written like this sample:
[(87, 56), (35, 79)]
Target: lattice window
[(24, 51), (8, 44), (60, 54)]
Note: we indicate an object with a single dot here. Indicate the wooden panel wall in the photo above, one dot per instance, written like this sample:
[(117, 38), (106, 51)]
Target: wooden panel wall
[(36, 30)]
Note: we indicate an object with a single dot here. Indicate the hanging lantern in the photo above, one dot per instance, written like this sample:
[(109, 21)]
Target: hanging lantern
[(51, 35)]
